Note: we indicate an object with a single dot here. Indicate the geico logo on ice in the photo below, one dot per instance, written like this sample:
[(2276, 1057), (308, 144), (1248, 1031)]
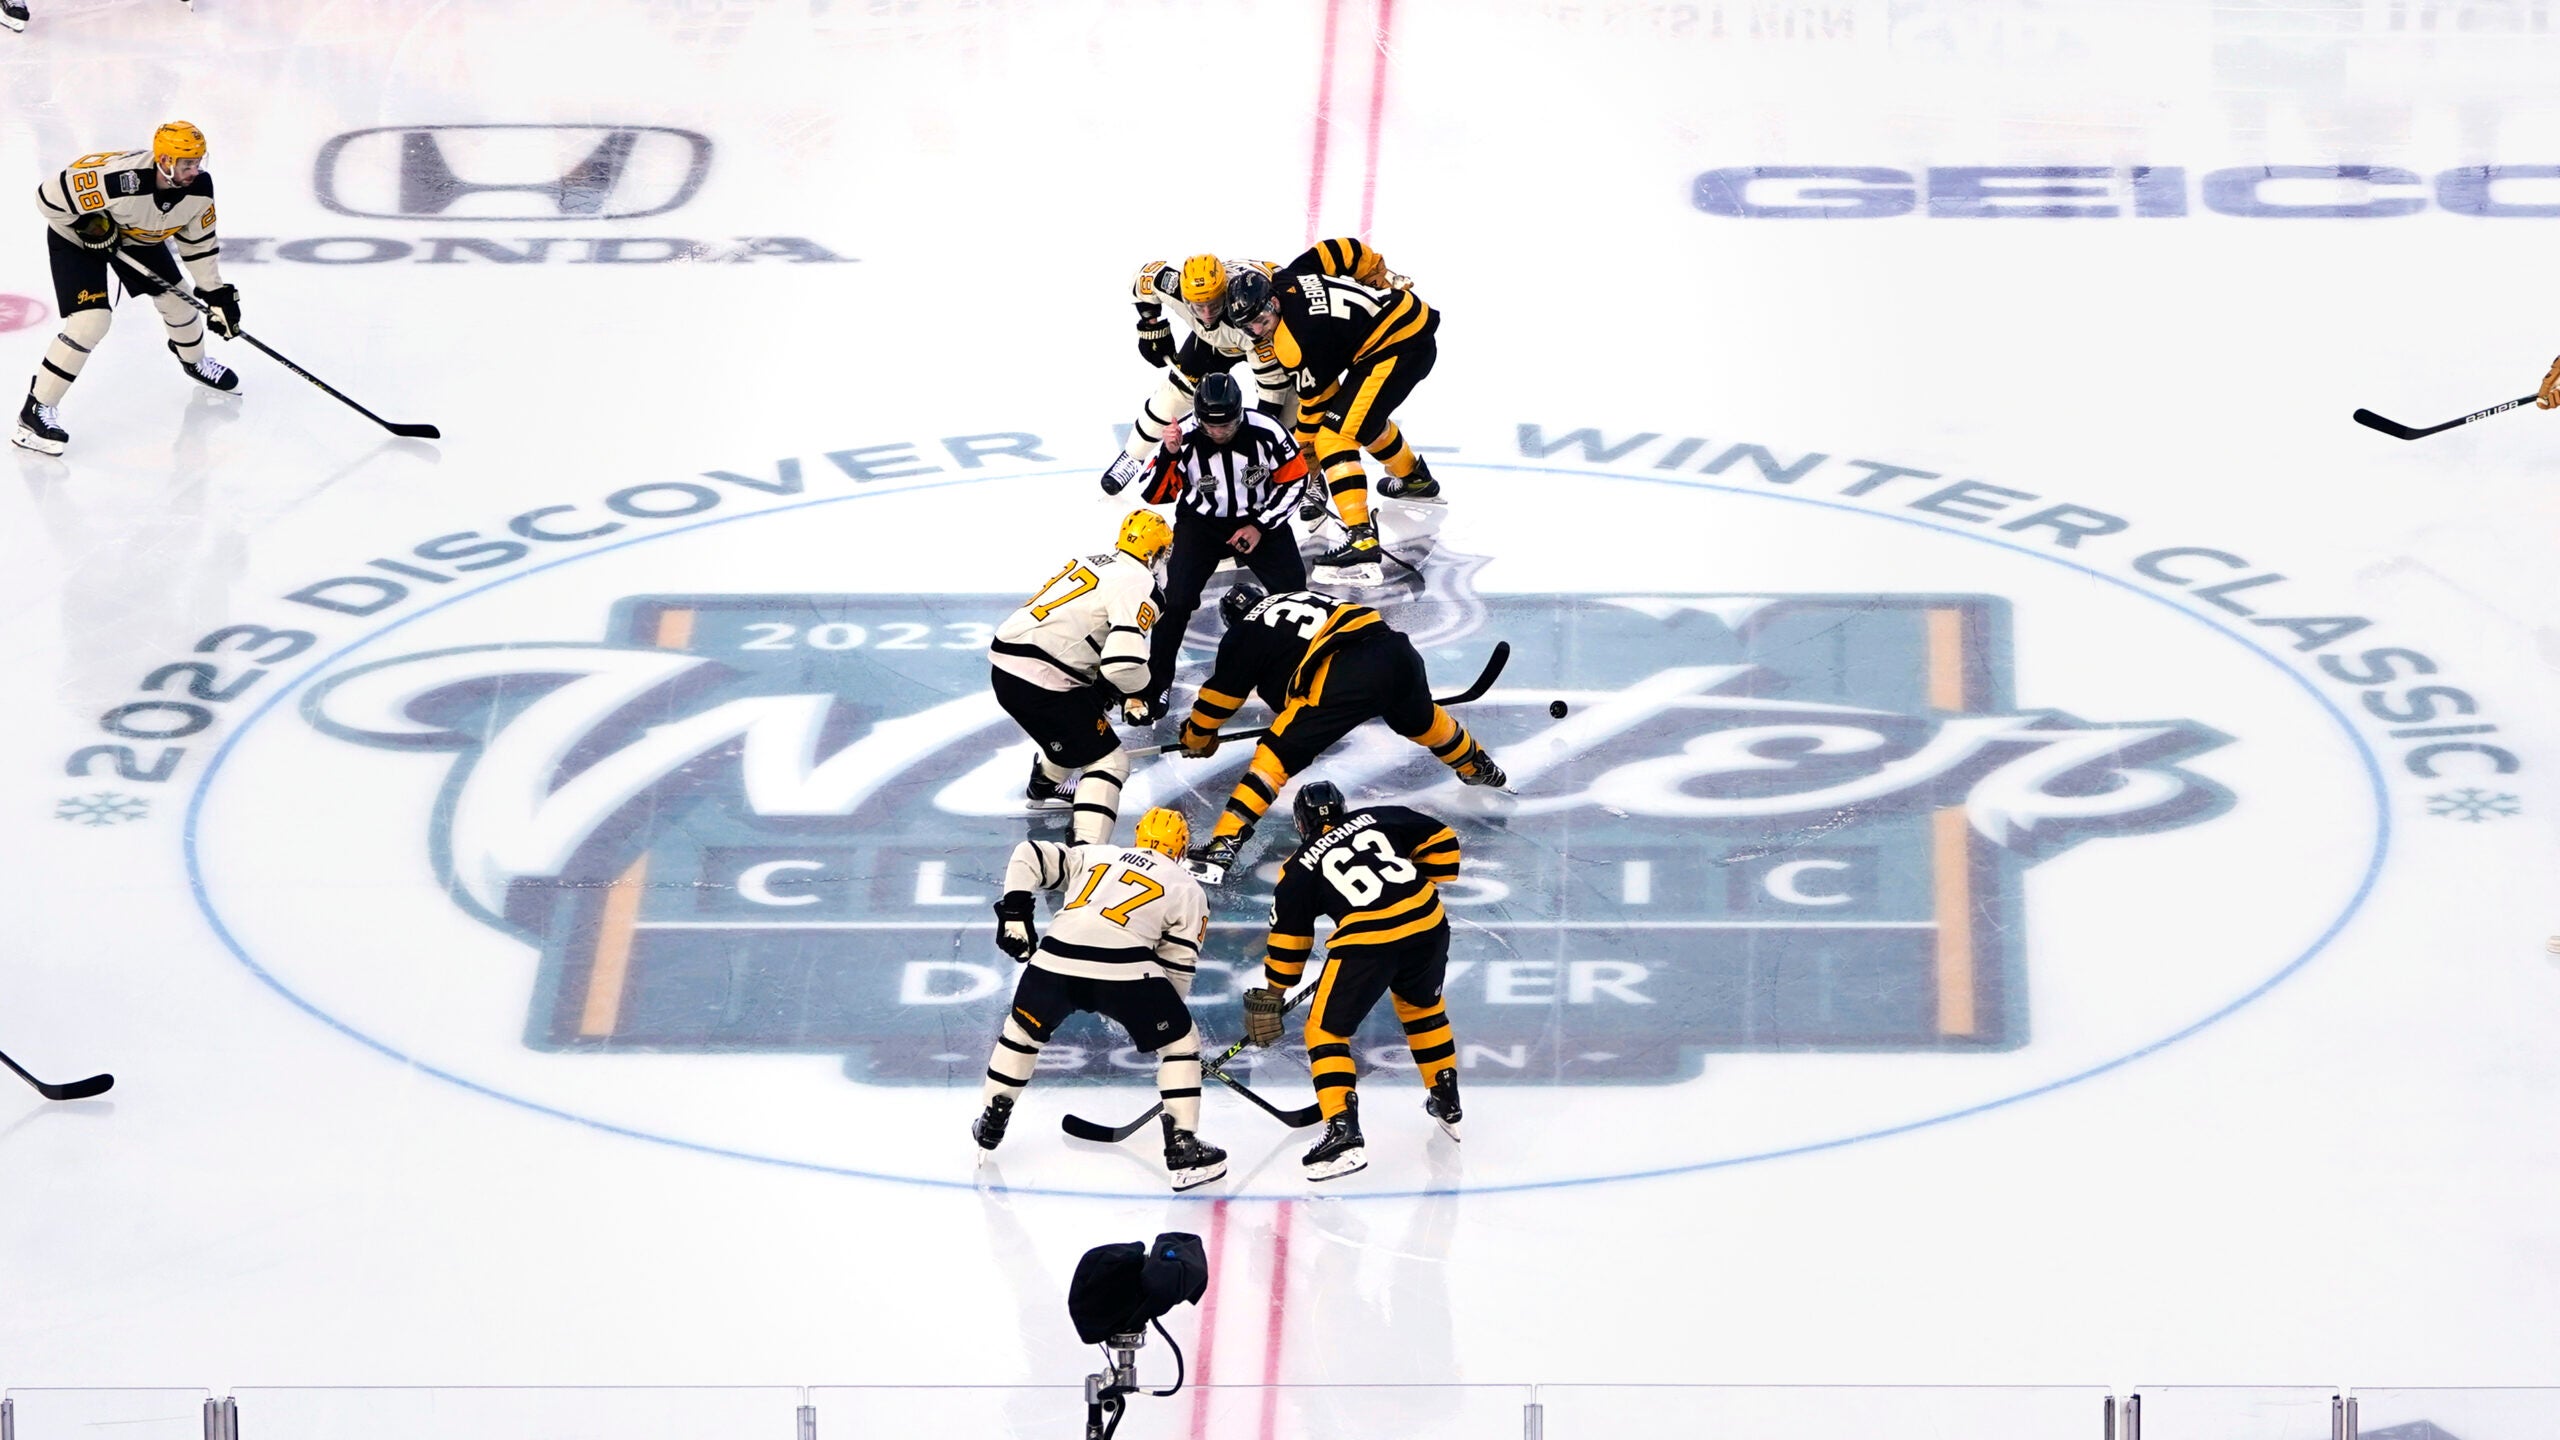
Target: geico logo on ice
[(511, 172), (2098, 192), (776, 822)]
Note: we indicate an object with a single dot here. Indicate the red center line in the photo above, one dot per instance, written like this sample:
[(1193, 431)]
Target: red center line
[(1377, 112), (1279, 1318), (1324, 119), (1209, 1321)]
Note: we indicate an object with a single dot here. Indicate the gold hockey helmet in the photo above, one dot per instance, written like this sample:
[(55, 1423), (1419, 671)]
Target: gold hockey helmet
[(1164, 831), (1204, 280), (1145, 536), (176, 140)]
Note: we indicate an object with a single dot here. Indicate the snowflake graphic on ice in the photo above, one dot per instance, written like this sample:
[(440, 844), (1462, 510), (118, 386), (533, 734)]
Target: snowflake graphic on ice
[(106, 807), (2472, 805)]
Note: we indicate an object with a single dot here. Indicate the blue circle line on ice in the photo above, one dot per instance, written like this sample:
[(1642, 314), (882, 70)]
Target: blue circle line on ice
[(2364, 885)]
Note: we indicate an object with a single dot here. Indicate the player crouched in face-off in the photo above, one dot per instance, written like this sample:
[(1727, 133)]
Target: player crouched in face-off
[(1377, 872), (1325, 667), (1126, 947), (125, 206), (1077, 647)]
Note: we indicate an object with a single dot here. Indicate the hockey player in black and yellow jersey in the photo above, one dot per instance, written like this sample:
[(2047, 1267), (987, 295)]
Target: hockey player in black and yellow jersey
[(1377, 873), (1323, 666), (1355, 340)]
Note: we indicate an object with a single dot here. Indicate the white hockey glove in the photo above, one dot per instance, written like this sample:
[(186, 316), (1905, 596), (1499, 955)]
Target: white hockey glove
[(1014, 935)]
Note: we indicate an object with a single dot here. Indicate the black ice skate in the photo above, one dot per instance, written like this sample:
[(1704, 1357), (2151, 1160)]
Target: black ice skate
[(1043, 793), (1340, 1151), (1311, 509), (988, 1129), (1417, 486), (1211, 862), (1190, 1161), (38, 430), (1479, 769), (1122, 469), (13, 16), (1355, 560), (1442, 1104), (205, 370)]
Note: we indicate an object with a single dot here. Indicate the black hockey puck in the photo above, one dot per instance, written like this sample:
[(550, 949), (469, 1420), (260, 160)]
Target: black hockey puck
[(1556, 708)]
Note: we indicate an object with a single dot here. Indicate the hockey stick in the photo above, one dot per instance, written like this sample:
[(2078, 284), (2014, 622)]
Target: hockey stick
[(1493, 664), (154, 285), (76, 1090), (2398, 431), (1083, 1129)]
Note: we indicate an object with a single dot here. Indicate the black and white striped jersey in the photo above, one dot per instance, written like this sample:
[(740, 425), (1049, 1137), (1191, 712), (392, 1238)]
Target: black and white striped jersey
[(1256, 476)]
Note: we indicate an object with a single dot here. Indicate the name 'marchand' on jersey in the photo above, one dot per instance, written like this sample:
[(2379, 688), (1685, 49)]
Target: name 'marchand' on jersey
[(1775, 822)]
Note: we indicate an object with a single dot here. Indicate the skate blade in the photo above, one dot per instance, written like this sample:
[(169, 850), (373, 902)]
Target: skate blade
[(1047, 807), (1206, 874), (29, 440), (1448, 1128), (1350, 1162), (1370, 574), (1195, 1178)]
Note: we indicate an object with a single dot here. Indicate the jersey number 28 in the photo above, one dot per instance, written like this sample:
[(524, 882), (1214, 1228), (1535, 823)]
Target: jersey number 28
[(1362, 881)]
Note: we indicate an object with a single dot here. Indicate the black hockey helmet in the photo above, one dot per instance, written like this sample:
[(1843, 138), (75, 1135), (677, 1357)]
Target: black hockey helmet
[(1318, 808), (1248, 291), (1220, 400), (1239, 602)]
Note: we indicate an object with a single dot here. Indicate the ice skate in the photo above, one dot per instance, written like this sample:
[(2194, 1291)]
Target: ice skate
[(1340, 1151), (988, 1128), (38, 429), (1441, 1104), (205, 370), (1189, 1161)]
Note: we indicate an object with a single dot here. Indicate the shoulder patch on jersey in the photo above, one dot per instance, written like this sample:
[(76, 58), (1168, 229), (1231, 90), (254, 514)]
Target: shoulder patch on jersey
[(129, 182)]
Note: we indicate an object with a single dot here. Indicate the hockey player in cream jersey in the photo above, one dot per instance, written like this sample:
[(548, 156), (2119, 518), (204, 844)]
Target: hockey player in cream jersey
[(1125, 947), (1198, 292), (128, 205), (1076, 647)]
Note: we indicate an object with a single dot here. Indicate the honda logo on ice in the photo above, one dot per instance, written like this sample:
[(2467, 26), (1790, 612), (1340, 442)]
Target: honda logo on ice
[(511, 172)]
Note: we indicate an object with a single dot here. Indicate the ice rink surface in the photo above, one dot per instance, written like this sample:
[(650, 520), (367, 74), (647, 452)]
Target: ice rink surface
[(2045, 880)]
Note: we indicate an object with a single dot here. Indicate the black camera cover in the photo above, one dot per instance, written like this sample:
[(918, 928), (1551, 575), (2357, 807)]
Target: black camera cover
[(1119, 1288)]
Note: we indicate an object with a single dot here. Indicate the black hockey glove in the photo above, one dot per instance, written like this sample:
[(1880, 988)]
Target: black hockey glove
[(97, 230), (1140, 710), (1122, 470), (1262, 1007), (225, 319), (1155, 337), (1014, 935)]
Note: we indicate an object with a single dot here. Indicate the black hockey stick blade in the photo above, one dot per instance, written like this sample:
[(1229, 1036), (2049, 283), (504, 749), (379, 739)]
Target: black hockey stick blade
[(1294, 1119), (1078, 1127), (2398, 431), (1492, 671), (76, 1090)]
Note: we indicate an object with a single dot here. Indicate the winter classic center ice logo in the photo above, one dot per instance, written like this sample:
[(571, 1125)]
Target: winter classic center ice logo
[(675, 834), (775, 822)]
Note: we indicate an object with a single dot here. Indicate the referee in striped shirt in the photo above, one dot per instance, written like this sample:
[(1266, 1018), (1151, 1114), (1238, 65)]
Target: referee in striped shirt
[(1237, 473)]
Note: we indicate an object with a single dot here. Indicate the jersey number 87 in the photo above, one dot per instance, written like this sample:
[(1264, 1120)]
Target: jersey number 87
[(1359, 881)]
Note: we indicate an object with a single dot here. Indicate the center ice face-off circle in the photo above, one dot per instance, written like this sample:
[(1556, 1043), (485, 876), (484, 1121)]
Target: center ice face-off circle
[(1869, 837)]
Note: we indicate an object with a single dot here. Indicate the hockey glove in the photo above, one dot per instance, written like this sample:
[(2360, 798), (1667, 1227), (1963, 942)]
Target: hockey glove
[(1155, 337), (96, 230), (1198, 744), (225, 319), (2550, 396), (1123, 469), (1014, 935), (1262, 1009), (1139, 710)]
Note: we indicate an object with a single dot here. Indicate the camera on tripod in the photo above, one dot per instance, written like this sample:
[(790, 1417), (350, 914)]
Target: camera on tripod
[(1118, 1291)]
